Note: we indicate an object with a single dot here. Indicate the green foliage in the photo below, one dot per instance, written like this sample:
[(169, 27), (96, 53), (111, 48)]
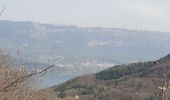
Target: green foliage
[(86, 89), (62, 87), (149, 98), (61, 94), (121, 70), (79, 86)]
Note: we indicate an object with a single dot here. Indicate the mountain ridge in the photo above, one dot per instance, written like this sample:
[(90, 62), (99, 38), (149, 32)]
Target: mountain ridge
[(76, 26), (87, 51), (83, 48)]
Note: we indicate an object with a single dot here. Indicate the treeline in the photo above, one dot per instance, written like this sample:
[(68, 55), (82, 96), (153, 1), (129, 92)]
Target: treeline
[(121, 70)]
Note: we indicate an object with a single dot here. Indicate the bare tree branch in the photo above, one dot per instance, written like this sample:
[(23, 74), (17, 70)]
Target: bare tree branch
[(2, 10), (23, 78)]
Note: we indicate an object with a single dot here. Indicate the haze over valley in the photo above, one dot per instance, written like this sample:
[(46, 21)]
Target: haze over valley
[(81, 50)]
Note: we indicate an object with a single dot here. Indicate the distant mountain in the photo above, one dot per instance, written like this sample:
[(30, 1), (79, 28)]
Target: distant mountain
[(93, 48), (135, 81)]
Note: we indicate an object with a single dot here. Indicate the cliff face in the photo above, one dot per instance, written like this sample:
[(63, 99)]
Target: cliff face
[(90, 43), (136, 81)]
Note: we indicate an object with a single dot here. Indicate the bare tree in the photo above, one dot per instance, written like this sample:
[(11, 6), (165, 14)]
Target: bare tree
[(164, 88), (16, 84), (2, 10)]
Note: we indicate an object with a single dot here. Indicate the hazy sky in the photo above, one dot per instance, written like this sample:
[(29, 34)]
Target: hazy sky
[(131, 14)]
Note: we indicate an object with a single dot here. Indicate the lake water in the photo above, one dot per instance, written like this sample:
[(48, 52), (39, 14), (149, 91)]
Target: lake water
[(52, 79)]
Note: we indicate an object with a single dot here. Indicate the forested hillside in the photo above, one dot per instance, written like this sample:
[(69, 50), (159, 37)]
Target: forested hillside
[(136, 81)]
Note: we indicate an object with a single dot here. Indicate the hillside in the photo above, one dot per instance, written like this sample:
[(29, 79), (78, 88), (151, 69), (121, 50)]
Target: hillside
[(135, 81), (79, 50), (86, 49)]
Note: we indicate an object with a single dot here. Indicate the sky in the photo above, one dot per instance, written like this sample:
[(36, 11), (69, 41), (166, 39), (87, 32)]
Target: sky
[(129, 14)]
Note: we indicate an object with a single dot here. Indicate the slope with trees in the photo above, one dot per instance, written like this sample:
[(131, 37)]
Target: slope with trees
[(136, 81)]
